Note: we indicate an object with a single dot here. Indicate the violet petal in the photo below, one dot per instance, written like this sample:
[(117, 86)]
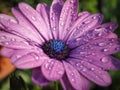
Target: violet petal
[(74, 77), (55, 11), (67, 17), (52, 69), (38, 78)]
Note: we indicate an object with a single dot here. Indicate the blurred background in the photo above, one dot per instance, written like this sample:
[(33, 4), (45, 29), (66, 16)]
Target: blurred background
[(14, 79)]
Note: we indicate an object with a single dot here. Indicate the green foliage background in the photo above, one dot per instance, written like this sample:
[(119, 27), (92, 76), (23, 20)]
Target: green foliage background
[(111, 12)]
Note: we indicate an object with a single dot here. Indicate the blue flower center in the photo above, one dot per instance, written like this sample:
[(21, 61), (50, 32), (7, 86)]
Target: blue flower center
[(56, 49), (57, 46)]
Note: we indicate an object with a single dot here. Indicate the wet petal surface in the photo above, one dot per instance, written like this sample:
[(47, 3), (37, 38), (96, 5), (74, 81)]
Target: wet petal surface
[(25, 59), (55, 11), (38, 22), (92, 34), (92, 72), (74, 77), (52, 69), (12, 41), (69, 10)]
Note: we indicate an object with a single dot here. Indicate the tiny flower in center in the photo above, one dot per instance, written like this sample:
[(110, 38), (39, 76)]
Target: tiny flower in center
[(56, 49)]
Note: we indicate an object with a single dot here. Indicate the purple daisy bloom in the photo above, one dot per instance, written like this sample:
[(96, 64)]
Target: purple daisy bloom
[(60, 44)]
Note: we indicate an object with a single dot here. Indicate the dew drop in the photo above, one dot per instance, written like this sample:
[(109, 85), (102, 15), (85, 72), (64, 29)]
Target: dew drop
[(81, 66), (13, 21), (53, 18), (72, 1), (77, 64), (52, 62), (101, 44), (99, 34), (3, 37), (1, 17), (36, 57), (96, 76), (26, 7), (104, 60), (111, 27), (49, 68), (110, 44), (68, 29), (72, 74), (105, 50), (72, 80), (112, 40), (82, 53), (49, 61), (18, 56), (117, 48), (78, 39), (33, 18), (75, 34), (13, 39), (54, 28), (86, 22), (6, 43), (46, 65), (60, 72), (67, 8), (92, 69), (84, 69), (93, 54), (61, 23), (94, 17)]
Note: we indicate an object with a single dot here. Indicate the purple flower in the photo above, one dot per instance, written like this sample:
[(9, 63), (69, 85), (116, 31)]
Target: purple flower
[(60, 44)]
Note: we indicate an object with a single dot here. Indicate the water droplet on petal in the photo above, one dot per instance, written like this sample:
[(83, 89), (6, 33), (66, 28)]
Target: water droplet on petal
[(13, 21), (99, 34), (33, 18), (60, 72), (49, 68), (86, 22), (72, 1), (53, 18), (72, 80), (3, 37), (82, 53), (36, 57), (26, 7), (52, 62), (77, 64), (62, 23), (54, 28), (111, 27), (94, 17), (84, 69), (1, 17), (101, 44), (6, 43), (104, 60), (46, 65), (18, 56), (96, 76), (118, 48), (13, 39), (72, 74), (92, 69), (78, 39), (105, 50), (49, 61)]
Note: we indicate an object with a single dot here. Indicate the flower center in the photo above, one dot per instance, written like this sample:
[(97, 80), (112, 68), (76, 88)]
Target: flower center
[(56, 49)]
